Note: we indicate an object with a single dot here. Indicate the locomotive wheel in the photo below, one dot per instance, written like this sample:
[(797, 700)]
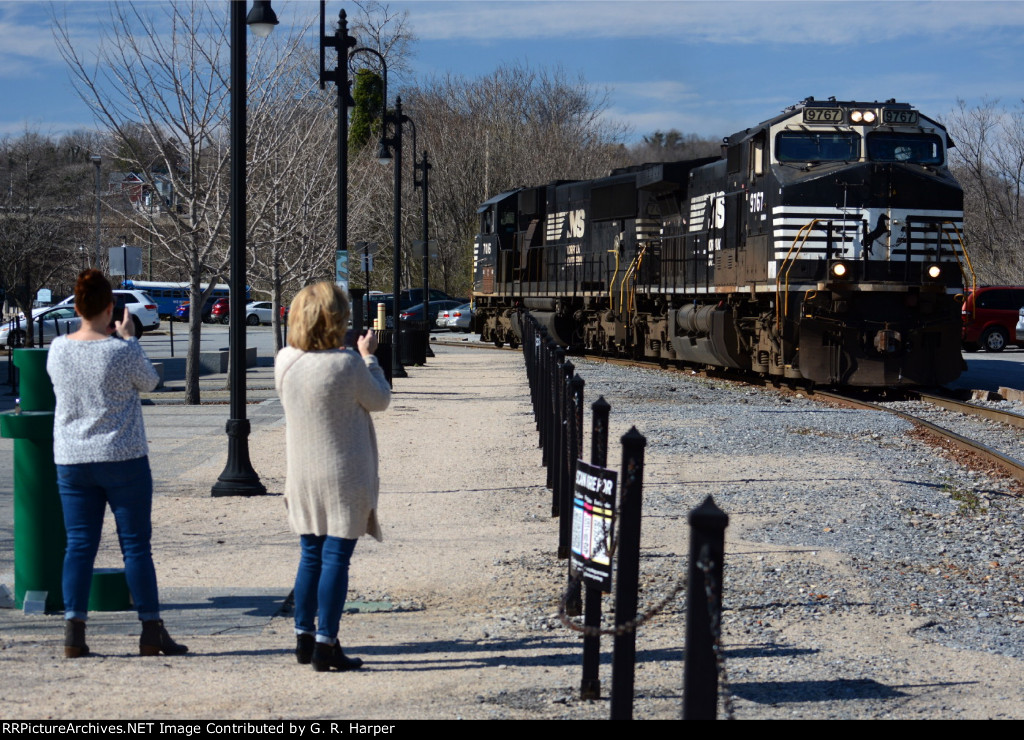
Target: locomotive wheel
[(994, 339)]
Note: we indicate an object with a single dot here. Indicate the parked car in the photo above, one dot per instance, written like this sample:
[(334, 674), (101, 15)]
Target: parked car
[(182, 311), (989, 317), (49, 323), (220, 311), (461, 318), (442, 319), (415, 312), (141, 306), (1020, 328), (262, 312)]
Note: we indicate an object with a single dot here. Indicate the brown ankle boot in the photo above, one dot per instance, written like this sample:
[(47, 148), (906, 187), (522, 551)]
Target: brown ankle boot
[(74, 639), (155, 640)]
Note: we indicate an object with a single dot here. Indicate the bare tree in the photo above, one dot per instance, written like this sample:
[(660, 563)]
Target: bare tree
[(45, 201), (159, 85), (673, 145), (292, 238), (380, 27), (988, 159), (516, 126)]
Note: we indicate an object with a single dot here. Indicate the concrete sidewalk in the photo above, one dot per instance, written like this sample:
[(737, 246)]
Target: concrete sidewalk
[(435, 610)]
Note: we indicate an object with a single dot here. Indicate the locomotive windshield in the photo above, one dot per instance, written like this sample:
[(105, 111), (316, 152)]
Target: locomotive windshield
[(913, 148), (812, 146)]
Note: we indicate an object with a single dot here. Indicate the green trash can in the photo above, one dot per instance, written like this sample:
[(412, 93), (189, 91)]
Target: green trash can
[(39, 536)]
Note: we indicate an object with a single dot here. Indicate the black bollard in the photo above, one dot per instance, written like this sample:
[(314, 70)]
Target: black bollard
[(555, 425), (542, 380), (624, 655), (574, 427), (703, 614), (590, 685), (565, 456)]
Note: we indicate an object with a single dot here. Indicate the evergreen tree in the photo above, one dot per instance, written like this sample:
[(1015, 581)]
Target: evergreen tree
[(368, 93)]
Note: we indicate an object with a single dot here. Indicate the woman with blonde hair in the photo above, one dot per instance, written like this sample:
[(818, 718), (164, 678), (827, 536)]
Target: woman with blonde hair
[(331, 487)]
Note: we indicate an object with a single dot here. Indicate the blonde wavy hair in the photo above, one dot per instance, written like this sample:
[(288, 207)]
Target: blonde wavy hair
[(318, 318)]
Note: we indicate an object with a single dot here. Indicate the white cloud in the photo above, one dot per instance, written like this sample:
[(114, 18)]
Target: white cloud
[(723, 21), (666, 91)]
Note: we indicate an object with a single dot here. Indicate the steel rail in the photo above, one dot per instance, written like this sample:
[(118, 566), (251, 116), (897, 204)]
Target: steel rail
[(1013, 467), (1003, 417)]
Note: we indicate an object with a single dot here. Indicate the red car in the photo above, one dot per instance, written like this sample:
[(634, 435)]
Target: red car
[(990, 316), (219, 312)]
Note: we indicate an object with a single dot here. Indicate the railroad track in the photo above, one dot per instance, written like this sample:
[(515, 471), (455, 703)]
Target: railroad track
[(1011, 465), (1003, 417)]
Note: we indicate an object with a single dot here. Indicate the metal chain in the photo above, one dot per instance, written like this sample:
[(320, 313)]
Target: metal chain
[(621, 629), (706, 566)]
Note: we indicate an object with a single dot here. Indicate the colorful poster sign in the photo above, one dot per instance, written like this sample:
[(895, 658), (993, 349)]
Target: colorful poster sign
[(593, 523)]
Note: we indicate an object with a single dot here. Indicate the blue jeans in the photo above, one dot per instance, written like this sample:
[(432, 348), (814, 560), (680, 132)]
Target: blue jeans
[(321, 585), (85, 491)]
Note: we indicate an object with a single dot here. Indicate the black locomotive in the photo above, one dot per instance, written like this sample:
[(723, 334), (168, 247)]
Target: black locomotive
[(824, 245)]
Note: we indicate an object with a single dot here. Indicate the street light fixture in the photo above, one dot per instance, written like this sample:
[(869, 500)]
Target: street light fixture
[(239, 478), (261, 19)]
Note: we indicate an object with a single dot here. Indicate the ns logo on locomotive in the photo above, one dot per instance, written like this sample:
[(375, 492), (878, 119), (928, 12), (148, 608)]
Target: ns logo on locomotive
[(825, 245)]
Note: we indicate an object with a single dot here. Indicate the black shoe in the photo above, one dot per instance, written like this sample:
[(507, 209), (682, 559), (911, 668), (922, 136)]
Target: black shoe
[(304, 648), (74, 639), (326, 657), (155, 640)]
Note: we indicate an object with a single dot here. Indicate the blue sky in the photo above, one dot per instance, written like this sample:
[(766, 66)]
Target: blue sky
[(710, 68)]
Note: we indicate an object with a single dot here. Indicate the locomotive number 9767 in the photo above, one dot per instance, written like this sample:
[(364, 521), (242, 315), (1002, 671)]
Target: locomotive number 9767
[(824, 245)]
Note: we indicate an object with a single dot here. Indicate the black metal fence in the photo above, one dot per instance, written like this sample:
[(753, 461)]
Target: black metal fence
[(556, 392)]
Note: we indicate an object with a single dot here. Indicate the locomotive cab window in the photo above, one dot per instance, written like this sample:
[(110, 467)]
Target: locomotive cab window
[(814, 146), (508, 221), (911, 148)]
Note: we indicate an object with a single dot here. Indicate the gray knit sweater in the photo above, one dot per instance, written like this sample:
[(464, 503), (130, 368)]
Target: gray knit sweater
[(332, 483), (97, 384)]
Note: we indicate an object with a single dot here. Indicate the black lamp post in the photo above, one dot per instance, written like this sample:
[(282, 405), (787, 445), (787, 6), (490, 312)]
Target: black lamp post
[(420, 180), (396, 119), (97, 160), (239, 478), (384, 156), (339, 76)]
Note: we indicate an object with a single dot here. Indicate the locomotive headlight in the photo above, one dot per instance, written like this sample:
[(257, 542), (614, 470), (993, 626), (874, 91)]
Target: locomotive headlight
[(839, 270), (934, 271), (862, 116)]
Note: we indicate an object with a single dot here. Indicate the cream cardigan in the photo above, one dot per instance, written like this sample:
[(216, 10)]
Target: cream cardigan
[(332, 481)]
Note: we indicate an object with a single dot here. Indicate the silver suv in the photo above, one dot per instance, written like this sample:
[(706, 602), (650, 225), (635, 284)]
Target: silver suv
[(141, 306)]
